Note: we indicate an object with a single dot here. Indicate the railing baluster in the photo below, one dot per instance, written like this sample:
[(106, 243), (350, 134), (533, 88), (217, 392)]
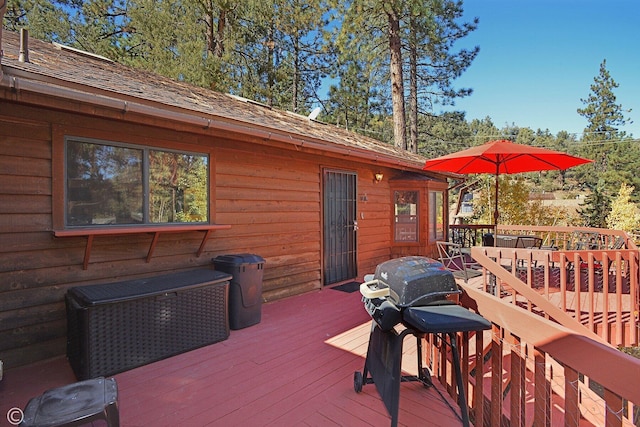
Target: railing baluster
[(464, 363), (571, 398), (591, 291), (577, 279), (632, 270), (619, 325), (606, 261), (496, 376), (613, 412), (542, 393), (478, 390), (518, 384), (563, 282)]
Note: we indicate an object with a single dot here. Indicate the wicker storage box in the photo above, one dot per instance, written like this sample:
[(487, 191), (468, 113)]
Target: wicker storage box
[(118, 326)]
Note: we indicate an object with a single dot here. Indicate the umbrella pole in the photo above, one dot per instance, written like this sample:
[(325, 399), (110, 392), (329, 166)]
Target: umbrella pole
[(495, 213)]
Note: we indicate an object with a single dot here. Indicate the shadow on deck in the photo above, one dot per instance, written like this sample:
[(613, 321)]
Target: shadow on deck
[(293, 368)]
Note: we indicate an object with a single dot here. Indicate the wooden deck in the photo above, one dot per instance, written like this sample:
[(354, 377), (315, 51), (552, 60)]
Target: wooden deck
[(293, 368)]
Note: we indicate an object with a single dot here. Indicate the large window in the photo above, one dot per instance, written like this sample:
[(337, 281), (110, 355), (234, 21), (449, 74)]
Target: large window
[(406, 216), (436, 215), (109, 183)]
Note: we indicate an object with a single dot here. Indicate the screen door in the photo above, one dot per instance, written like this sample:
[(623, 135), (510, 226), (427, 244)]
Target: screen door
[(340, 226)]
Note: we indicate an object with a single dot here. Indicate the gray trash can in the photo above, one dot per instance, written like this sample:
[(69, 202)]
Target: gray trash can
[(245, 288)]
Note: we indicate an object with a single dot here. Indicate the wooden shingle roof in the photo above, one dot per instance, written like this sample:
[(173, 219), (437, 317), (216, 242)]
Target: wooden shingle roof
[(98, 79)]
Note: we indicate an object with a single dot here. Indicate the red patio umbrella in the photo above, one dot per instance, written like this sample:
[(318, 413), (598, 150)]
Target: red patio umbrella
[(503, 157)]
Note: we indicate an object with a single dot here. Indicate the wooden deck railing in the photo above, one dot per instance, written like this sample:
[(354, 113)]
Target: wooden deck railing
[(597, 284), (558, 316)]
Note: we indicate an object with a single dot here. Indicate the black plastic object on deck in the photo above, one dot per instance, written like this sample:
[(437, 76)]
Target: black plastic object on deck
[(114, 327), (245, 290)]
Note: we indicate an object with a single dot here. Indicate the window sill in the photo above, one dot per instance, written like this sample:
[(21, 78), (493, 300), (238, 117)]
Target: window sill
[(156, 230)]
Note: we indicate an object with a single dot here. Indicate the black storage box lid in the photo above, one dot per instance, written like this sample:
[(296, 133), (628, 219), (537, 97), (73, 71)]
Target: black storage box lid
[(238, 259), (91, 295), (415, 280)]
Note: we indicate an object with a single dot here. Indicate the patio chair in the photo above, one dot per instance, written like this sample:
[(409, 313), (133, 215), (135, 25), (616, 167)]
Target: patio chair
[(529, 242), (75, 404), (583, 240), (618, 243), (451, 256)]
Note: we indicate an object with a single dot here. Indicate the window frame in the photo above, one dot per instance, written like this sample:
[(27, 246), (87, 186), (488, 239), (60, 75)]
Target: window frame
[(433, 235), (425, 245), (62, 134), (416, 223)]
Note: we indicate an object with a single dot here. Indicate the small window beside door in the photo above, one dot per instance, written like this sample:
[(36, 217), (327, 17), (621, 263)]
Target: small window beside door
[(406, 216), (436, 215)]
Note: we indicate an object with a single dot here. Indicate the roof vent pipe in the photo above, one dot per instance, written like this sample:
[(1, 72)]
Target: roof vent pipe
[(24, 45)]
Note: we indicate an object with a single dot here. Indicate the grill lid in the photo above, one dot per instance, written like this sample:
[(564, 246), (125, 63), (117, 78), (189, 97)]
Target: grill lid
[(416, 281)]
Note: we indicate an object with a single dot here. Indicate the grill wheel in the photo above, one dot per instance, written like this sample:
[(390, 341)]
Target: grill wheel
[(357, 381)]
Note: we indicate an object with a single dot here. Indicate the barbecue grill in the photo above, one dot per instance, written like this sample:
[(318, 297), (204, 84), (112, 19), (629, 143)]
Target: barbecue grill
[(413, 295)]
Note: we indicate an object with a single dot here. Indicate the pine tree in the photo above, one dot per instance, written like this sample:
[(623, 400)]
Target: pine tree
[(595, 208), (434, 64), (359, 100), (45, 19), (415, 40), (604, 118)]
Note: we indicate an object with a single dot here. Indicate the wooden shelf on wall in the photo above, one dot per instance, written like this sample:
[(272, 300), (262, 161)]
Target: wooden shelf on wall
[(156, 230)]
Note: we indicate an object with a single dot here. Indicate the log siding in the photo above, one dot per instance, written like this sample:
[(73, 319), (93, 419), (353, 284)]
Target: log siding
[(269, 195), (266, 170)]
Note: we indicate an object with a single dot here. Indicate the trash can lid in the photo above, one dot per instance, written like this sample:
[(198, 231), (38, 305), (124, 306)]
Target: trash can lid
[(239, 259)]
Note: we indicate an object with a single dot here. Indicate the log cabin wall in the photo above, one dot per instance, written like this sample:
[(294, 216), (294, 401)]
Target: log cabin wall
[(270, 195), (273, 203)]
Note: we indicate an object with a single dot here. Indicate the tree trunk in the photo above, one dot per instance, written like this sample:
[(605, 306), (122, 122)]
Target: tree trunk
[(296, 76), (215, 31), (219, 46), (397, 84), (413, 89)]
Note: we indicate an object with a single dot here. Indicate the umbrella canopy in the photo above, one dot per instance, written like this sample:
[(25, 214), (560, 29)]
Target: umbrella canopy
[(503, 157)]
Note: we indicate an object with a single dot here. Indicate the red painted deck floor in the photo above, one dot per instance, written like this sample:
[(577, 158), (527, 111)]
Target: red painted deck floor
[(294, 368)]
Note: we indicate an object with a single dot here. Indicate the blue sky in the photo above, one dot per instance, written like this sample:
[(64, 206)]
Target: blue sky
[(538, 58)]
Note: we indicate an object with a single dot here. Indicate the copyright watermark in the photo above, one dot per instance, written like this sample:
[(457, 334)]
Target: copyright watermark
[(15, 416)]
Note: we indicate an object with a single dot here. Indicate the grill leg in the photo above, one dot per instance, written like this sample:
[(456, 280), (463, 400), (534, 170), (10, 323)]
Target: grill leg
[(419, 349), (362, 378), (462, 394), (424, 378)]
